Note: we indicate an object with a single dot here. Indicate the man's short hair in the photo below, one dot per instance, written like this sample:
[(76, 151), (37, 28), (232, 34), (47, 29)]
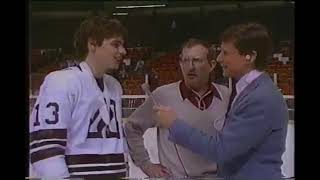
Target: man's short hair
[(97, 28), (212, 54), (248, 38)]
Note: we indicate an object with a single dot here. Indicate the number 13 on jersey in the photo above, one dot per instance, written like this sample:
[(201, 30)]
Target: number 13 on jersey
[(50, 120)]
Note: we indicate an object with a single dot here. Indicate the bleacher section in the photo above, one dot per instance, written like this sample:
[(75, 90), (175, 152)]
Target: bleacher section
[(167, 68)]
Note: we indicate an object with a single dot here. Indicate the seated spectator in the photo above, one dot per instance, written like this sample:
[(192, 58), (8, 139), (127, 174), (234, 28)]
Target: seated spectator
[(123, 73), (139, 66), (153, 79), (127, 63)]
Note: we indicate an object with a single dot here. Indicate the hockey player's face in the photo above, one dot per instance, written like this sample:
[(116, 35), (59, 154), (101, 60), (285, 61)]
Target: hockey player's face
[(111, 53), (195, 66)]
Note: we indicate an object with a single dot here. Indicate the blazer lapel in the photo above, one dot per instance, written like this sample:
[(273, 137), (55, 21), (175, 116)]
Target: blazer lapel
[(253, 85)]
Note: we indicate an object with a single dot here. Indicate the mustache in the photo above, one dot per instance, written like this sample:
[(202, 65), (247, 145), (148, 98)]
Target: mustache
[(191, 73)]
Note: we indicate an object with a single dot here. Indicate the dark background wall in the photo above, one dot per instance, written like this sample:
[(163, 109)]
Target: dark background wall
[(154, 29)]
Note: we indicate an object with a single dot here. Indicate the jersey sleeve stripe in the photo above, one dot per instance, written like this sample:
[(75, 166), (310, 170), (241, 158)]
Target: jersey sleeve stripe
[(47, 140), (97, 168), (93, 165), (48, 134), (41, 144), (47, 147), (94, 159), (46, 153), (99, 172), (119, 175)]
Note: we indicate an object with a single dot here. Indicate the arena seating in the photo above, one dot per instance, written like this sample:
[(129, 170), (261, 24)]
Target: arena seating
[(166, 66)]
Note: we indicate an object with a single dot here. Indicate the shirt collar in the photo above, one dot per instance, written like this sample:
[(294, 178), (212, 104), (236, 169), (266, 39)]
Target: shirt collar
[(86, 67), (246, 80), (188, 93)]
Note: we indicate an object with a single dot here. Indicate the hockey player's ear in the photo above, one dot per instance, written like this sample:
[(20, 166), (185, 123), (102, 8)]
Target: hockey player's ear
[(91, 45)]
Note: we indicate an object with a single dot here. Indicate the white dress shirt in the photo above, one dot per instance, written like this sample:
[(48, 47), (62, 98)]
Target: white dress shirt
[(245, 81)]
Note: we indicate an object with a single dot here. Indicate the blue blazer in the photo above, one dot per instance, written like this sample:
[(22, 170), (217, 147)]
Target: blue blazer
[(251, 144)]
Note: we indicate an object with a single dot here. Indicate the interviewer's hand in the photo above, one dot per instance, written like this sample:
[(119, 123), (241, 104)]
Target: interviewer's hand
[(166, 116), (155, 170)]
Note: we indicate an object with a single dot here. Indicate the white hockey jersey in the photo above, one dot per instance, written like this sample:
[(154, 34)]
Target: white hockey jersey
[(75, 127)]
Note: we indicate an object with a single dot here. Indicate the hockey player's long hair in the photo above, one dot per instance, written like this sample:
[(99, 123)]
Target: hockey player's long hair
[(97, 28)]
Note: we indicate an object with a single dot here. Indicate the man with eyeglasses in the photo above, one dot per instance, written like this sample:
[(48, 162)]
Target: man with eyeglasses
[(253, 139), (195, 97)]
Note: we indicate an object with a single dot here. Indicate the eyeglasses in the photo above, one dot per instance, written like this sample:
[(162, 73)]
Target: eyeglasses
[(195, 61)]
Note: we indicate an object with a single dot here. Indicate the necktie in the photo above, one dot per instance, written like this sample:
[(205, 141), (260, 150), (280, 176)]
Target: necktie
[(233, 94)]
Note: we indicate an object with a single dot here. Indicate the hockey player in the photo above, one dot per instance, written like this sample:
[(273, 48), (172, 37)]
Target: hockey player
[(75, 125)]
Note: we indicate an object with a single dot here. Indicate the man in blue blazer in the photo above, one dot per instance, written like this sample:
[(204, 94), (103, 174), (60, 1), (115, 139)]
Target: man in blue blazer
[(251, 144)]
